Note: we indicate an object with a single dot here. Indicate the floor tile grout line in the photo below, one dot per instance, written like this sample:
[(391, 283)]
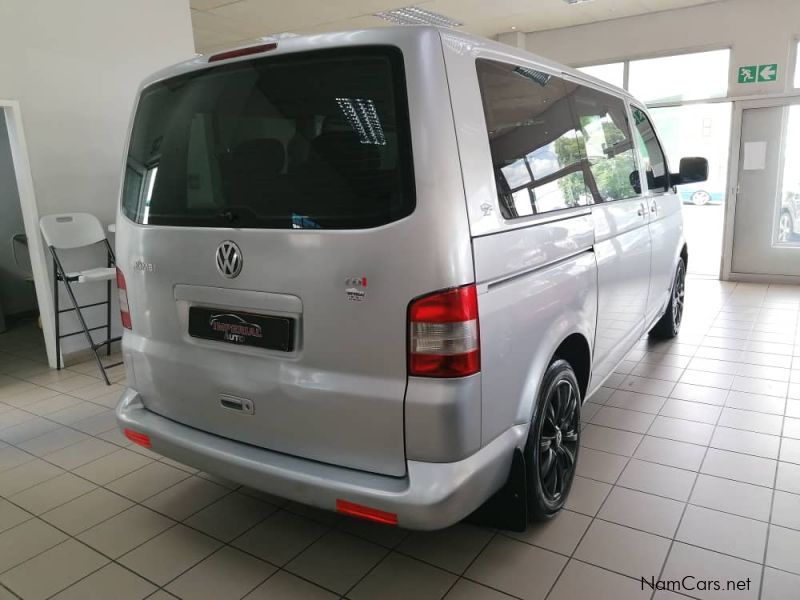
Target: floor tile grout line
[(723, 407), (769, 523), (686, 505), (134, 503), (463, 573), (688, 497), (100, 568), (650, 533), (10, 591), (388, 552), (625, 487), (684, 442), (594, 517)]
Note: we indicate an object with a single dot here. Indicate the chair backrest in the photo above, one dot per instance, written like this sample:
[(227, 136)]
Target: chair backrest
[(71, 230)]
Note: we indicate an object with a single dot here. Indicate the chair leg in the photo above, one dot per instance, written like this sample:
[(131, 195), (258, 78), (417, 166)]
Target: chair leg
[(108, 318), (81, 319), (57, 316)]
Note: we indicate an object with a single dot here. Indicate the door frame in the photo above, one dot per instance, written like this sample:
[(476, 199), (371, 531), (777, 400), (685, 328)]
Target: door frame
[(10, 109), (739, 106)]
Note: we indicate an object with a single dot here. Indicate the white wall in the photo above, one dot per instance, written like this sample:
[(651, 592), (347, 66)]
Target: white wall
[(74, 68), (757, 31)]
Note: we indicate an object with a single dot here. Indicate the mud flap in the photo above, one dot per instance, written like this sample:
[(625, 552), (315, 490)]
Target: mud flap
[(508, 507)]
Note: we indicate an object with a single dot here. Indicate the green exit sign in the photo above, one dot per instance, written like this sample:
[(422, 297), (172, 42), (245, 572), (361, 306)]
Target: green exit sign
[(758, 73)]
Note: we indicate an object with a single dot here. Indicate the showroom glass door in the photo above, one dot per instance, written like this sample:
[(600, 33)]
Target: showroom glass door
[(766, 215), (701, 129)]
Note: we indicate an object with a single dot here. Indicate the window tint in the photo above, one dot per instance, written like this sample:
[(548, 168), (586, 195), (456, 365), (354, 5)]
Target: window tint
[(307, 140), (655, 164), (606, 138), (537, 154)]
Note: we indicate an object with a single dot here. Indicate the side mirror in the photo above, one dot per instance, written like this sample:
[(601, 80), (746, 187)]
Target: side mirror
[(692, 170)]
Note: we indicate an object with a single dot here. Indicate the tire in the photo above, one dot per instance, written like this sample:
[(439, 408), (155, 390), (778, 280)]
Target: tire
[(701, 198), (785, 228), (551, 453), (669, 324)]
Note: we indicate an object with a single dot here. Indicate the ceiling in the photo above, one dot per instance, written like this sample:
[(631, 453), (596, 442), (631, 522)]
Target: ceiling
[(223, 23)]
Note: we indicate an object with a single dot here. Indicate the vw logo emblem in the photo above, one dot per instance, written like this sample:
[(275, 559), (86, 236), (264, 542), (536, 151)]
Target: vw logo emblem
[(229, 259)]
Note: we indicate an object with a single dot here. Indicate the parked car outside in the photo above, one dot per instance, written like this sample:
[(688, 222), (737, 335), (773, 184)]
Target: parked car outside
[(701, 195), (789, 218)]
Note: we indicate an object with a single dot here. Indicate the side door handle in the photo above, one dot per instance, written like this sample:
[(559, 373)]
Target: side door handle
[(641, 212), (654, 207)]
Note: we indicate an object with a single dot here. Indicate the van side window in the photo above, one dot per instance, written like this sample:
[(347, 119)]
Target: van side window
[(607, 141), (536, 151), (655, 165)]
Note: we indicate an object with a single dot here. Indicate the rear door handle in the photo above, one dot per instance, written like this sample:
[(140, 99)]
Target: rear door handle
[(654, 207), (641, 210), (241, 405)]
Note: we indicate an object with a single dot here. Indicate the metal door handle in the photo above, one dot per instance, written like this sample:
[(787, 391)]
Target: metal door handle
[(641, 210), (654, 208)]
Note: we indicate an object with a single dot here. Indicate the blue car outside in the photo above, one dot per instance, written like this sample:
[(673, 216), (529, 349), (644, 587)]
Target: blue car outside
[(700, 196)]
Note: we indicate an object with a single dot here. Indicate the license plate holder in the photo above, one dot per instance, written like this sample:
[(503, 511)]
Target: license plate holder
[(242, 328)]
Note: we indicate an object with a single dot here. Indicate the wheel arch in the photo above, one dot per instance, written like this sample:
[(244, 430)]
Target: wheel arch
[(576, 351)]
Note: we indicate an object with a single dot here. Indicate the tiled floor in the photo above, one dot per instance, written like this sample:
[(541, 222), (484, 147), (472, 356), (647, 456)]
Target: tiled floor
[(690, 466)]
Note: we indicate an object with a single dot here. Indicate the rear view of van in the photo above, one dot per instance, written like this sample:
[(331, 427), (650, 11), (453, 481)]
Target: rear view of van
[(315, 299)]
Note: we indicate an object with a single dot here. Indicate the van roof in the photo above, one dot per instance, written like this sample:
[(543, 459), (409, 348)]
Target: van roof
[(377, 35)]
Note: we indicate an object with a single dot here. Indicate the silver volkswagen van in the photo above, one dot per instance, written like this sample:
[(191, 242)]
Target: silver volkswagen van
[(378, 272)]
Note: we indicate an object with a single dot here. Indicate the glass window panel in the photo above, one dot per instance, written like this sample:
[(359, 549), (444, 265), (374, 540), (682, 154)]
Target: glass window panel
[(613, 73), (606, 137), (536, 154), (682, 77), (254, 140), (655, 164), (787, 232), (517, 173), (697, 130)]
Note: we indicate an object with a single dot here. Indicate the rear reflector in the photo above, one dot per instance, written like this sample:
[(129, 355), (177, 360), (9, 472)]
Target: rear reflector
[(365, 512), (443, 334), (243, 52), (124, 309), (137, 438)]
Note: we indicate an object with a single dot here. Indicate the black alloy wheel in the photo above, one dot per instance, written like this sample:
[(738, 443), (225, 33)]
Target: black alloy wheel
[(669, 324), (554, 441)]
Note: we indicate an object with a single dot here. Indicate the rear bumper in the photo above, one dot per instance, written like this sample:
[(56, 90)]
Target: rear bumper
[(430, 496)]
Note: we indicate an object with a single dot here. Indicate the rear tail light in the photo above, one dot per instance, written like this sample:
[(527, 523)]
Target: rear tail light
[(365, 512), (124, 308), (137, 438), (443, 334)]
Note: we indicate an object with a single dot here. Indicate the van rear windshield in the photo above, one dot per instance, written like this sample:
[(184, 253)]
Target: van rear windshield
[(313, 140)]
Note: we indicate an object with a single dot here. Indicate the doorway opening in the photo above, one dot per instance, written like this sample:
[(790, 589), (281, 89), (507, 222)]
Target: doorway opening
[(25, 303), (19, 309), (700, 130)]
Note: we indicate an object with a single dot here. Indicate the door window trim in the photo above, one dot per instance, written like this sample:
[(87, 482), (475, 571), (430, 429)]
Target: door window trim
[(670, 188)]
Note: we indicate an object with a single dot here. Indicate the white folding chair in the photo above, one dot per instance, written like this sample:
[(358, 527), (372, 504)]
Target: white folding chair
[(77, 230)]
